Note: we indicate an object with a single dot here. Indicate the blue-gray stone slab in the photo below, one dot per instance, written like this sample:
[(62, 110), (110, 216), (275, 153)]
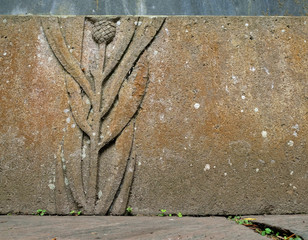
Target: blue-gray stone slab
[(156, 7)]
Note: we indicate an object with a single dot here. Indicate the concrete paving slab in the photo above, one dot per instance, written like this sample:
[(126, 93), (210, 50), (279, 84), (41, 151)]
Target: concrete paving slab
[(297, 224), (99, 227)]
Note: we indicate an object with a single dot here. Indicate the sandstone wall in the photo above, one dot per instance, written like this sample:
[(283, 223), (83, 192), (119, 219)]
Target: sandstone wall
[(203, 115)]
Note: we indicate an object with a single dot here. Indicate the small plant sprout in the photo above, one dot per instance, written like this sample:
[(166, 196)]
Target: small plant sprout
[(41, 212), (75, 213), (267, 231), (129, 209), (162, 212), (241, 221)]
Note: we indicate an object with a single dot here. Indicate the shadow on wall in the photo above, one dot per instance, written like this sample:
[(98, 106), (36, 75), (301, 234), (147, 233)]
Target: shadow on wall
[(157, 7)]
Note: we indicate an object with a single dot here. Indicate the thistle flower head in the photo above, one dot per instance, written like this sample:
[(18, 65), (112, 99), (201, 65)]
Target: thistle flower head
[(104, 31)]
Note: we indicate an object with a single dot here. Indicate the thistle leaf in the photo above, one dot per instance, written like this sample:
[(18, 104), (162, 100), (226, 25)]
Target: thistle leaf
[(130, 97), (142, 38), (114, 169), (119, 204), (60, 49), (124, 35), (71, 159), (80, 109)]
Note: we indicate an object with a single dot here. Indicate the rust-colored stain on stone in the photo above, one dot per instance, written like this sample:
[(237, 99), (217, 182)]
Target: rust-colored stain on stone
[(202, 115)]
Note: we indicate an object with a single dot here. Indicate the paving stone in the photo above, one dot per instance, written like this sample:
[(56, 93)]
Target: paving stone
[(297, 224), (83, 227)]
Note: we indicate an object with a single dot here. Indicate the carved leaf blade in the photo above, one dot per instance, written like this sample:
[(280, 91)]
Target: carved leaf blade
[(142, 38), (130, 98), (116, 168), (71, 159), (124, 35), (59, 48), (80, 109), (120, 202)]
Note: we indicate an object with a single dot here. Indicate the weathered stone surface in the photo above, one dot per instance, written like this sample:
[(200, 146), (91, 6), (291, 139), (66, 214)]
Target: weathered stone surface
[(110, 227), (203, 115), (223, 126)]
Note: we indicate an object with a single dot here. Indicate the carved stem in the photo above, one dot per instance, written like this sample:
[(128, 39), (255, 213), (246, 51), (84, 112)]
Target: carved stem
[(96, 124), (94, 155), (102, 58)]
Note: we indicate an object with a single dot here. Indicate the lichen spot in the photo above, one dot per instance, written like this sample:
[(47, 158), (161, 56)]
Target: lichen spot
[(66, 181), (235, 79), (100, 194), (296, 127), (246, 24), (51, 186), (266, 70), (264, 134), (257, 170), (290, 143), (167, 31), (207, 167), (256, 109), (243, 97), (68, 120), (261, 161), (252, 69), (197, 105)]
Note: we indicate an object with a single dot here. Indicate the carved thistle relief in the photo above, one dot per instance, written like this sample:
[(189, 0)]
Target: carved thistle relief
[(104, 92)]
